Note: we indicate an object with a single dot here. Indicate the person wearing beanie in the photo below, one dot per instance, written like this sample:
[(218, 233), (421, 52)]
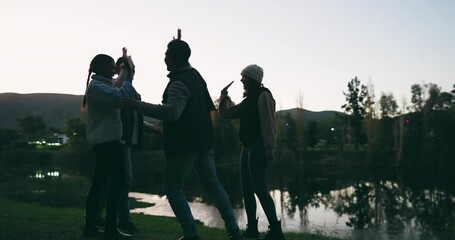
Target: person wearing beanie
[(257, 134), (188, 138)]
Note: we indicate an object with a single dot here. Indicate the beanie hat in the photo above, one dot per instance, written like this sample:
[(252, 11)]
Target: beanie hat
[(254, 72)]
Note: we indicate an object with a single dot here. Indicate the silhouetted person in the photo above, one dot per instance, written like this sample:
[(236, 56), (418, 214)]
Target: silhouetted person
[(132, 126), (257, 133), (104, 132), (187, 133)]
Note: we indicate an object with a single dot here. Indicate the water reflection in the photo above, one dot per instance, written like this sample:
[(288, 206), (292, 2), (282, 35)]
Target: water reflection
[(39, 174), (320, 220), (361, 206)]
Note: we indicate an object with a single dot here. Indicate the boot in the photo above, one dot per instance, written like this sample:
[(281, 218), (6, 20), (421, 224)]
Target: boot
[(251, 231), (274, 232)]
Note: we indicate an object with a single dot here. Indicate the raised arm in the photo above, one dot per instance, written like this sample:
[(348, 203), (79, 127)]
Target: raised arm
[(227, 110), (103, 95)]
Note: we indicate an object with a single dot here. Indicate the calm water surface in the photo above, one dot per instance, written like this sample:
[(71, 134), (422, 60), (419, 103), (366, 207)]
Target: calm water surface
[(383, 204), (366, 204)]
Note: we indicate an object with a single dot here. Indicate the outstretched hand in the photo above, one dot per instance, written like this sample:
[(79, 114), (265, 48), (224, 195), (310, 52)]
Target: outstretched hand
[(129, 103), (128, 62), (224, 91)]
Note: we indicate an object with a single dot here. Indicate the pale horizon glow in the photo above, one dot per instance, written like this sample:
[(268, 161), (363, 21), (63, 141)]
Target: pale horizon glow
[(307, 48)]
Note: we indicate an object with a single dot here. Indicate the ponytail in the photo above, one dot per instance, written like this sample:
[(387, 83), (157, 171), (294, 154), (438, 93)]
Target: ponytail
[(84, 102)]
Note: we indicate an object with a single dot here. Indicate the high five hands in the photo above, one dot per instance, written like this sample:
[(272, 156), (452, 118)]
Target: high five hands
[(128, 63)]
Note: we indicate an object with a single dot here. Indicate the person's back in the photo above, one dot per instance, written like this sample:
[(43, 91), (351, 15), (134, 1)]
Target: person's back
[(193, 130), (103, 120)]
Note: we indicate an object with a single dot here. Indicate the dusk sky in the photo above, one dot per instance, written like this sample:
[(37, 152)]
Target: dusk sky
[(307, 48)]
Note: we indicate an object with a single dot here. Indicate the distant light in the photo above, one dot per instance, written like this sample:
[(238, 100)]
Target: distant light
[(408, 121), (39, 175), (332, 129), (74, 133)]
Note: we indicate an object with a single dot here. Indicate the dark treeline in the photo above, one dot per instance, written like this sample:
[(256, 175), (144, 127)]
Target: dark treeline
[(369, 133)]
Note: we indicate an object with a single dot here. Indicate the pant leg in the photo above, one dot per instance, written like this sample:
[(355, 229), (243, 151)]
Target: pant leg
[(205, 168), (258, 173), (112, 153), (247, 186), (178, 168), (124, 205), (96, 196), (101, 204)]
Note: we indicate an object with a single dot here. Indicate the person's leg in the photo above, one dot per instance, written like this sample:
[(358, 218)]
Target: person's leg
[(247, 187), (124, 205), (177, 169), (113, 152), (258, 170), (205, 168), (258, 173), (100, 206), (248, 196), (95, 194)]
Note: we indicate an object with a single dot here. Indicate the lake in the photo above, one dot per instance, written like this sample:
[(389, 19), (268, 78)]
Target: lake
[(354, 203)]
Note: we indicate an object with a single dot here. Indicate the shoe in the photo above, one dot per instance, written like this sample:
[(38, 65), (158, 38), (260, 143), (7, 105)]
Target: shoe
[(117, 235), (251, 231), (92, 232), (274, 232), (191, 238), (128, 227)]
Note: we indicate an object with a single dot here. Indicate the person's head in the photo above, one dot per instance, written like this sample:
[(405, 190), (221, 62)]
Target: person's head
[(177, 54), (252, 77), (102, 65)]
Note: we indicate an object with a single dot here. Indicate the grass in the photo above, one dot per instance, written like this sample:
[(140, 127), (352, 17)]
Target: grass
[(22, 221)]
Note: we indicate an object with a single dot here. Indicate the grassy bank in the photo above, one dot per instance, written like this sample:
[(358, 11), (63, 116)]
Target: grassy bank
[(28, 221)]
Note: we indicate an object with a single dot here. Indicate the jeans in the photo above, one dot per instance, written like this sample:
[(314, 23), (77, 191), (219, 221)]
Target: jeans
[(178, 167), (108, 167), (124, 205), (253, 173)]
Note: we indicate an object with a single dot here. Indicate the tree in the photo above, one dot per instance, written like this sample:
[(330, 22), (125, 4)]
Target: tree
[(417, 98), (433, 96), (7, 136), (299, 119), (74, 128), (31, 126), (225, 139), (444, 101), (291, 132), (355, 106), (369, 102), (388, 105), (312, 133), (287, 137)]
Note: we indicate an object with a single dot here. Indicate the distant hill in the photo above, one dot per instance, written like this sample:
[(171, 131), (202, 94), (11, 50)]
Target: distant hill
[(54, 108), (310, 115)]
